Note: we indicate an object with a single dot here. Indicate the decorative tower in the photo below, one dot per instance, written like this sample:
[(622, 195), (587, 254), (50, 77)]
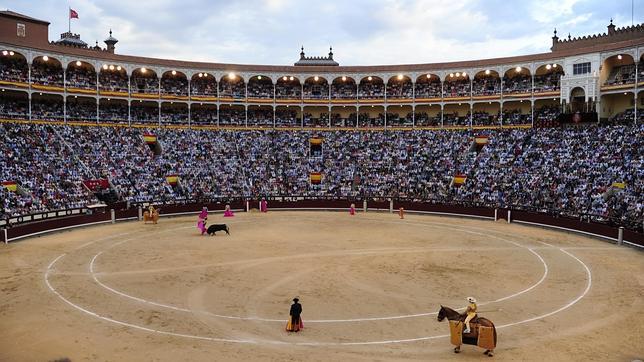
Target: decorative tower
[(555, 40), (319, 61), (611, 27), (111, 42)]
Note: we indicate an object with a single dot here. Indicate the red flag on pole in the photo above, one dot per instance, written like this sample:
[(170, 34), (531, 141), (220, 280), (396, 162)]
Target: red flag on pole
[(73, 14)]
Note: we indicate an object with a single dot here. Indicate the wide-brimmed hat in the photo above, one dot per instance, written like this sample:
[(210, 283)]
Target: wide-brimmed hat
[(296, 299), (471, 299)]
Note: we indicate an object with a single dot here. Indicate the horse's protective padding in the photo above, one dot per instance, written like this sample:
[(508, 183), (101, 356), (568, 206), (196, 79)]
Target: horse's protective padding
[(147, 217), (486, 337), (456, 332)]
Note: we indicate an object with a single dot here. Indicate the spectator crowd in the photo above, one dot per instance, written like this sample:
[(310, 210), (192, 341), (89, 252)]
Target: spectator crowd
[(566, 171)]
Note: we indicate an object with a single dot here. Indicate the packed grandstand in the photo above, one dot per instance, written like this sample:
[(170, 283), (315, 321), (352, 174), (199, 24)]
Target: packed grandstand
[(558, 133)]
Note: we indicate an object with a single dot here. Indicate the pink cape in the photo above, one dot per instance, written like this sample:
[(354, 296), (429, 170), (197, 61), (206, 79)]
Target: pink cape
[(229, 213), (201, 225)]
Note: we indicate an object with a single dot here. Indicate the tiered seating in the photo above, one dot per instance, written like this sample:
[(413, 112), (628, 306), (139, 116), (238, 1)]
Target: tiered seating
[(563, 171)]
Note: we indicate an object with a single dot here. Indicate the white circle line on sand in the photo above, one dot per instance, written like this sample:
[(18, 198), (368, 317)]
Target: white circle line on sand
[(366, 319), (251, 341)]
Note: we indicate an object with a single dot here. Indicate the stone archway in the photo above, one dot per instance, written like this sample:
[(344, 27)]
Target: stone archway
[(578, 100)]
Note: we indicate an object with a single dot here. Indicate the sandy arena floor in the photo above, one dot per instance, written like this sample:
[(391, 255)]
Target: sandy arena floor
[(370, 286)]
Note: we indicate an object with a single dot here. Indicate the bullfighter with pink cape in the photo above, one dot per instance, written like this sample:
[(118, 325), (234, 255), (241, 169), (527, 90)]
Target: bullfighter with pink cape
[(263, 205), (228, 212), (201, 224), (352, 209)]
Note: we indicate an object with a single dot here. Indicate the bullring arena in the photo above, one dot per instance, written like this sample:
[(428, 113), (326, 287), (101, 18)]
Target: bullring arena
[(370, 284)]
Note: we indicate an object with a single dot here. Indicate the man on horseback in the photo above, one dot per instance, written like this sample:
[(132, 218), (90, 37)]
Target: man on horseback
[(471, 313)]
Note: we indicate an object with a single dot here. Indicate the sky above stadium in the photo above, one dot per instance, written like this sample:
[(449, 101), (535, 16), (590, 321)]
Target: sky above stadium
[(362, 32)]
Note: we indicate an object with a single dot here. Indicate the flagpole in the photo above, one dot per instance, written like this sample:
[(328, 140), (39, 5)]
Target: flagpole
[(69, 19)]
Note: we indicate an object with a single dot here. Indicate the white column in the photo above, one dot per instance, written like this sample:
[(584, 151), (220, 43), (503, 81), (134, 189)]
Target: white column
[(501, 113), (532, 88), (385, 106), (636, 88), (442, 113), (64, 94), (385, 110), (442, 91)]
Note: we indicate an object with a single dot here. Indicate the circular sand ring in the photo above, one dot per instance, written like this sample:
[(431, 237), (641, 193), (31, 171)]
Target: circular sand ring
[(262, 341)]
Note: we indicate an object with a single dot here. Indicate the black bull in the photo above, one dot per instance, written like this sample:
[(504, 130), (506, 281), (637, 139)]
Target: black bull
[(212, 229)]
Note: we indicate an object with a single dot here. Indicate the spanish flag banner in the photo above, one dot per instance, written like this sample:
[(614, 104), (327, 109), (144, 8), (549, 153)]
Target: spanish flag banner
[(10, 185), (315, 177), (316, 141), (458, 180), (173, 180), (149, 138)]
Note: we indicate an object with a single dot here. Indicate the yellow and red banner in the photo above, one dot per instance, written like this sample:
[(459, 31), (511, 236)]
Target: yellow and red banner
[(316, 141), (10, 185), (315, 177), (149, 138), (459, 179), (481, 140), (173, 180)]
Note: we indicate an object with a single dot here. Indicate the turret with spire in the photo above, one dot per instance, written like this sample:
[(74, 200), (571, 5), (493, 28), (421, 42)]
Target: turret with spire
[(111, 42), (611, 27), (555, 39), (326, 61)]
